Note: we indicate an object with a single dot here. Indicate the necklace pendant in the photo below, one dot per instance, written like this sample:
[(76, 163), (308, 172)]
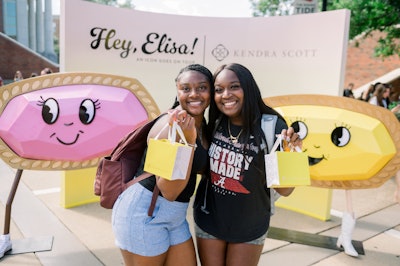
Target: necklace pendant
[(233, 139)]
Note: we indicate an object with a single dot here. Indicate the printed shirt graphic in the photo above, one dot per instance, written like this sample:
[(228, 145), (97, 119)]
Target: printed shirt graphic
[(237, 198), (228, 164)]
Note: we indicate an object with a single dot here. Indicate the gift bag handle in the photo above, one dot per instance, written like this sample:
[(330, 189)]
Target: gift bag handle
[(177, 128), (278, 142), (172, 132), (163, 128)]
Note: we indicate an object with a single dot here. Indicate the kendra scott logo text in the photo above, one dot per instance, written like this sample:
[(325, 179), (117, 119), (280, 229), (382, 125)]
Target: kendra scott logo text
[(290, 53)]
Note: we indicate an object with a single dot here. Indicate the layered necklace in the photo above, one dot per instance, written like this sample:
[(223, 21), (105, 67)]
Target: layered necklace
[(234, 139)]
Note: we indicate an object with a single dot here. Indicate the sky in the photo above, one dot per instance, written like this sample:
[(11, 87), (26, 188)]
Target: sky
[(209, 8)]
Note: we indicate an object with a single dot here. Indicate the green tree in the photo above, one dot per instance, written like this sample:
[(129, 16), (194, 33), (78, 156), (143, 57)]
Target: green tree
[(266, 8), (367, 16)]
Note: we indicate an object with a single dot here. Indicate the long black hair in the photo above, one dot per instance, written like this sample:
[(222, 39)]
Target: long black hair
[(253, 104)]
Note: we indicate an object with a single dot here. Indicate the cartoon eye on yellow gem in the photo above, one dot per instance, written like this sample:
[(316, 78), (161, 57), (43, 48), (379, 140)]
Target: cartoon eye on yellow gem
[(349, 143)]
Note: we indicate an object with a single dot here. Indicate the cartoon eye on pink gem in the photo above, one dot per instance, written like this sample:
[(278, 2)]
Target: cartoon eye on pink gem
[(69, 120)]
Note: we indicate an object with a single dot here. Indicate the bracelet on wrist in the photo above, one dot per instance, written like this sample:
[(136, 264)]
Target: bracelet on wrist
[(189, 144), (194, 146)]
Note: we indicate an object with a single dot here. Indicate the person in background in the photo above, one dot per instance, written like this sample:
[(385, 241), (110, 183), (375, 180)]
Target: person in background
[(391, 95), (368, 93), (232, 207), (1, 81), (348, 92), (165, 238), (34, 74), (380, 96), (46, 71), (18, 76)]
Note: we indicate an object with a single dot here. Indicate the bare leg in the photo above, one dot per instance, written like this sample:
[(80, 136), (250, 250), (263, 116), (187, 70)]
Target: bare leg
[(215, 252), (243, 254), (183, 254), (211, 251), (132, 259)]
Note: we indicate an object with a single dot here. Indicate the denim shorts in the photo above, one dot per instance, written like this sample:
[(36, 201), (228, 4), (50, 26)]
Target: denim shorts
[(141, 234), (202, 234)]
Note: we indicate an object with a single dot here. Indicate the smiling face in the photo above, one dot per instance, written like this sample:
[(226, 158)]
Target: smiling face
[(346, 148), (79, 119), (193, 90), (229, 95)]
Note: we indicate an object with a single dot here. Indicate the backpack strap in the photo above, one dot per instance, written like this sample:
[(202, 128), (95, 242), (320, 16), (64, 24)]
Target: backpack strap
[(144, 175), (156, 191), (268, 123)]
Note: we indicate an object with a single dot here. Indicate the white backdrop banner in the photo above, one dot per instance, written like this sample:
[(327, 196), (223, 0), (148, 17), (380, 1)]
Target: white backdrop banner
[(287, 54)]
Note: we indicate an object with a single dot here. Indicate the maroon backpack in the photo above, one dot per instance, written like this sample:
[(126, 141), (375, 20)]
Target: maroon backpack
[(116, 172)]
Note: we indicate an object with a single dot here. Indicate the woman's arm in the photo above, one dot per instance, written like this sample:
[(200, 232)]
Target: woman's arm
[(284, 191)]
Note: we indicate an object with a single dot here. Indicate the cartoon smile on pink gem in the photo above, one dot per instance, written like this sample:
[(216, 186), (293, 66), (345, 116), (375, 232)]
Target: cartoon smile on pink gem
[(51, 113), (70, 122)]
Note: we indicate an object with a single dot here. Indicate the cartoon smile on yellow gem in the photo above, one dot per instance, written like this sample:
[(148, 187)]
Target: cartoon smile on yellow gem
[(349, 143)]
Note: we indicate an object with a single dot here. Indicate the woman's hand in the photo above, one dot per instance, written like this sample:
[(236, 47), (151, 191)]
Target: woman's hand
[(292, 138), (186, 122)]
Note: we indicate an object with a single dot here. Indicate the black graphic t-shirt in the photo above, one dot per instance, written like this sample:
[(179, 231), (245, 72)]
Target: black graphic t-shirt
[(237, 203)]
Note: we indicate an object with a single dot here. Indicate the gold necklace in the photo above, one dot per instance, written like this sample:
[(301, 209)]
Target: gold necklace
[(233, 138)]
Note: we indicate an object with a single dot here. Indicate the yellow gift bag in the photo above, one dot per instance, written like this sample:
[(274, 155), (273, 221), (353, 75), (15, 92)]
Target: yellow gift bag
[(167, 158), (286, 169)]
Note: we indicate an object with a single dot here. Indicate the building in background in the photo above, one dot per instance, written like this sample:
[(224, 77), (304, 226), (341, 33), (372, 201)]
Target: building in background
[(26, 37), (30, 22)]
